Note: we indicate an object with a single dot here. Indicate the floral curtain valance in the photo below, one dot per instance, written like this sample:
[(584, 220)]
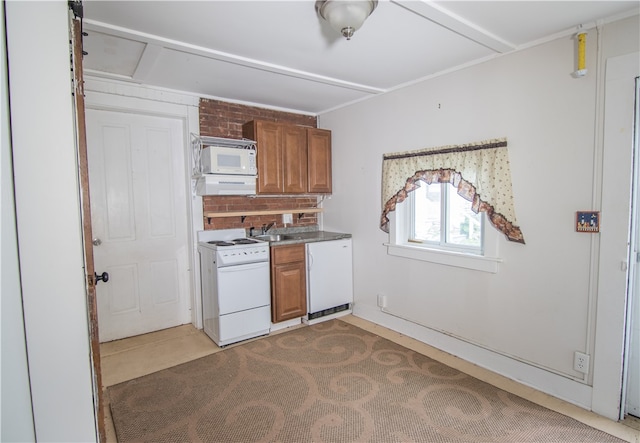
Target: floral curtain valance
[(480, 172)]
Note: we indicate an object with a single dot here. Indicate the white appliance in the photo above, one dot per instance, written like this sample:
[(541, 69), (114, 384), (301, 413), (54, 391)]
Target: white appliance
[(329, 279), (236, 285), (228, 161), (217, 184)]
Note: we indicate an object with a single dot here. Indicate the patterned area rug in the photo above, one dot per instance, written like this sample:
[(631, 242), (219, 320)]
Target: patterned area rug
[(331, 382)]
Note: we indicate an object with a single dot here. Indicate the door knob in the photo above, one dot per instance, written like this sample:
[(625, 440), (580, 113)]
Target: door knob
[(104, 277), (96, 242)]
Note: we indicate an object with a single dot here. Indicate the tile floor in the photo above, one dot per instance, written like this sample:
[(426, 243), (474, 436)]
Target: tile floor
[(134, 357)]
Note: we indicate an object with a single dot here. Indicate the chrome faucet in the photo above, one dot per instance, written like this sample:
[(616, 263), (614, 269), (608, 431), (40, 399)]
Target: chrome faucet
[(266, 228)]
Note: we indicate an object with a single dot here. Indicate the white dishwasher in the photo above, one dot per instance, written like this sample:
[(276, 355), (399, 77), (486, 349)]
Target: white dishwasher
[(329, 279)]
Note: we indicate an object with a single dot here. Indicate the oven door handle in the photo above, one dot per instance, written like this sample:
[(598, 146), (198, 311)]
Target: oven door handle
[(243, 267)]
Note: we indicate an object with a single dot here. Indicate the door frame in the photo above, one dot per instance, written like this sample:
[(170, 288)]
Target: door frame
[(75, 24), (611, 304), (633, 290), (114, 96)]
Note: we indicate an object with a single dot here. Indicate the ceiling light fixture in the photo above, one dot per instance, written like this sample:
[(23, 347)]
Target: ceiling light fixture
[(346, 16)]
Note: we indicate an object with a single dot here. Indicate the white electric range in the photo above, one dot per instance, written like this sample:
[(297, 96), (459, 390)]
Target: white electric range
[(236, 285)]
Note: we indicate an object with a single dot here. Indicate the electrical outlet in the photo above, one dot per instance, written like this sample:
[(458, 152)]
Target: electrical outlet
[(382, 301), (287, 219), (581, 362)]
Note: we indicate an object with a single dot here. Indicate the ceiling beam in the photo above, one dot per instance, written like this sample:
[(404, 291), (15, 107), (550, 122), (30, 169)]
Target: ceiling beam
[(161, 42), (453, 22), (147, 61)]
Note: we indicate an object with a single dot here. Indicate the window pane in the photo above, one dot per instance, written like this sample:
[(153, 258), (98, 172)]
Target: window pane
[(427, 212), (465, 226)]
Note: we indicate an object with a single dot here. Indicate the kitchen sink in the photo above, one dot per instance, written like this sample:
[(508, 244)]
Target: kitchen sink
[(292, 237), (270, 237), (284, 237)]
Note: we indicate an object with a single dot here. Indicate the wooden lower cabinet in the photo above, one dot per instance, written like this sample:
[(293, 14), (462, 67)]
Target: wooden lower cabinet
[(288, 282)]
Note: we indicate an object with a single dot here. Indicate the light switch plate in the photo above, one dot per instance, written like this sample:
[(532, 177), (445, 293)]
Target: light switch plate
[(287, 219)]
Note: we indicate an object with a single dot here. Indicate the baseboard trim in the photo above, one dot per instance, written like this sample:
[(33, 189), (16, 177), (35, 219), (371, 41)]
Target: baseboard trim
[(555, 385)]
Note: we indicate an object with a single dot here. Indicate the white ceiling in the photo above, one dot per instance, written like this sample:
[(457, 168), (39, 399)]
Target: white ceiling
[(280, 54)]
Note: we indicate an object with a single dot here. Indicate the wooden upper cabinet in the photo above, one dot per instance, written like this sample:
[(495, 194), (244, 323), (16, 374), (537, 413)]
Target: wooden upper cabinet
[(291, 159), (270, 153), (294, 142), (319, 160)]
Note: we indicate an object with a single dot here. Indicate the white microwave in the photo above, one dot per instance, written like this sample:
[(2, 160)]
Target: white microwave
[(228, 161)]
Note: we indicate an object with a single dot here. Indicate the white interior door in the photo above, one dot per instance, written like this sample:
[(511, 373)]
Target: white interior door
[(138, 213)]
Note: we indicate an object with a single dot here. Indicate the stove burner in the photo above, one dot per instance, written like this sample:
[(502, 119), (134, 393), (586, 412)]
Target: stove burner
[(220, 243), (244, 241)]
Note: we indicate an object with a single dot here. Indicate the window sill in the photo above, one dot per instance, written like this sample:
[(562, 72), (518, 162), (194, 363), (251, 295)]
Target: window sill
[(448, 258)]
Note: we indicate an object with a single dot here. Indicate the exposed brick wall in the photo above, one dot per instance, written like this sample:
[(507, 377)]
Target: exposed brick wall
[(222, 119), (234, 203)]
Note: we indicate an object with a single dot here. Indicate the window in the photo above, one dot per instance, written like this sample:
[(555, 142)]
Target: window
[(440, 218), (435, 224), (479, 171)]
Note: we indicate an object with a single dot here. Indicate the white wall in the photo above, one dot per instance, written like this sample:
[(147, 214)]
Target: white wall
[(527, 320), (48, 221), (16, 420)]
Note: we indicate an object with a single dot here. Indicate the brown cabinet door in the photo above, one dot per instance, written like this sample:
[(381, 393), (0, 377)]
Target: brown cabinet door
[(290, 299), (294, 141), (288, 283), (291, 159), (319, 160), (268, 137)]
